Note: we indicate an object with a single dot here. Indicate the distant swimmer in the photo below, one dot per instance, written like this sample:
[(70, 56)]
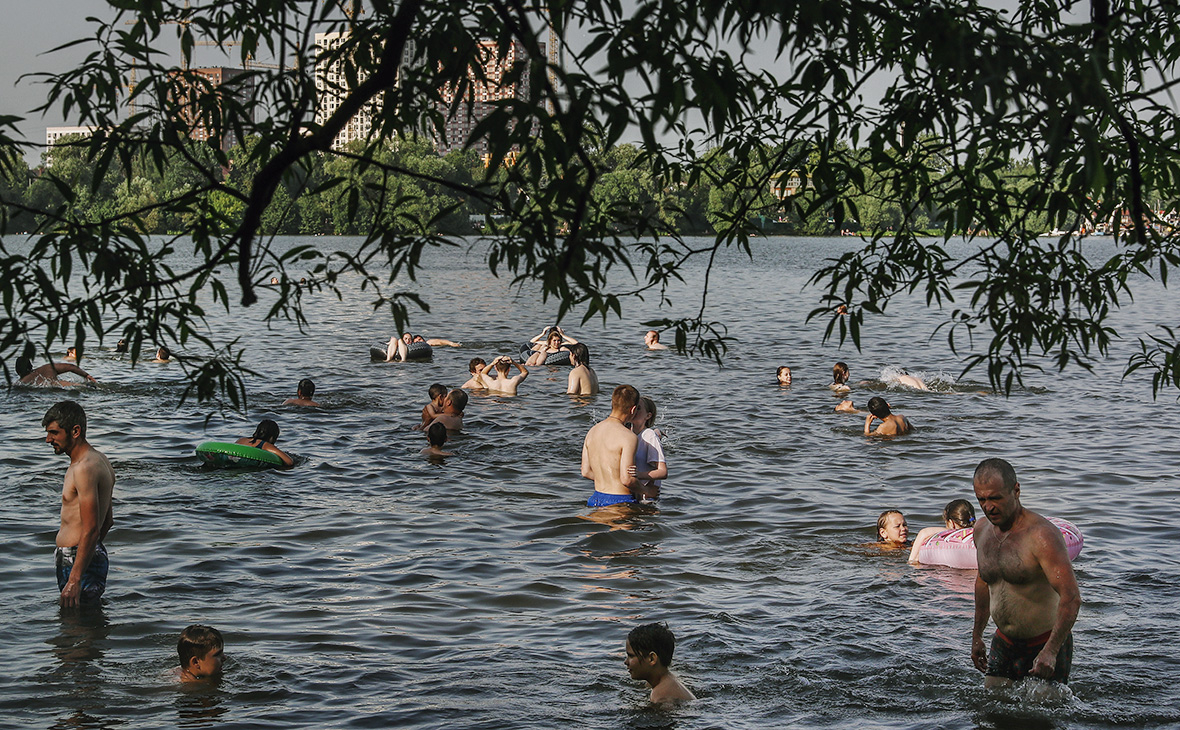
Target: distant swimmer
[(892, 530), (452, 411), (582, 378), (201, 651), (1026, 585), (86, 516), (48, 376), (163, 354), (72, 353), (121, 346), (784, 376), (892, 424), (551, 340), (264, 438), (436, 434), (652, 340), (650, 467), (649, 650), (303, 395), (840, 374), (608, 452), (957, 514), (476, 381), (911, 381), (433, 409), (501, 382)]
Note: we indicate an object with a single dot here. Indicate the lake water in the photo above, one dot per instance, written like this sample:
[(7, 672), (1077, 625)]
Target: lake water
[(369, 587)]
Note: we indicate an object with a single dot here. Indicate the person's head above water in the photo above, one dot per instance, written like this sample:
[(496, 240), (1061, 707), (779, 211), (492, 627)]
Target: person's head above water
[(554, 340), (407, 337), (580, 353), (840, 373), (959, 512), (267, 431), (24, 366), (784, 375), (437, 391), (162, 353), (623, 400), (652, 337), (653, 638), (458, 399), (437, 434), (878, 407), (305, 389), (67, 414), (892, 527), (649, 407), (503, 365), (121, 346), (200, 652), (476, 365)]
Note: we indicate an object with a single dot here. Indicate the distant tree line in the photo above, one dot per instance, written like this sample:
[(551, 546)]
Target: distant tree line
[(414, 184)]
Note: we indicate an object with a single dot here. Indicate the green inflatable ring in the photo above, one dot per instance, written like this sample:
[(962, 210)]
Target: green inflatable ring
[(237, 456)]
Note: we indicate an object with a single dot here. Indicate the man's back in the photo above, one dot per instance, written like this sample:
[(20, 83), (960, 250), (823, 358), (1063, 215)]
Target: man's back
[(582, 381), (607, 453)]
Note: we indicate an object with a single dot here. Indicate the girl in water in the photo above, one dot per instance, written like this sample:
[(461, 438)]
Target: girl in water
[(840, 377), (892, 530), (650, 468), (957, 514)]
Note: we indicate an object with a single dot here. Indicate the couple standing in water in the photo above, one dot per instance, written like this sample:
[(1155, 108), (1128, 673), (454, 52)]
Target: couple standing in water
[(625, 467)]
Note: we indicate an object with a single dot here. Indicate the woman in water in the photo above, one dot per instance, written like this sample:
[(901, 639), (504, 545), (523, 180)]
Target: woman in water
[(957, 514), (892, 530), (840, 377), (264, 438), (551, 340), (650, 467)]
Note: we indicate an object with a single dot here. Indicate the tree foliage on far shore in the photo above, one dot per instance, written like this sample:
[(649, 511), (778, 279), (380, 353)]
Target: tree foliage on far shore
[(951, 116)]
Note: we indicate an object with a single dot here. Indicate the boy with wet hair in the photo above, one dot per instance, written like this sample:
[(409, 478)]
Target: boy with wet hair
[(201, 650), (436, 433), (892, 423), (476, 382), (438, 394), (649, 654)]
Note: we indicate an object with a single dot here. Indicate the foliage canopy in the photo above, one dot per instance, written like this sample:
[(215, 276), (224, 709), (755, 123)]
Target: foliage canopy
[(975, 121)]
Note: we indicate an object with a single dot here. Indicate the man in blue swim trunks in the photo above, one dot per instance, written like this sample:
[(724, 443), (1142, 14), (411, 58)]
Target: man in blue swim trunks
[(608, 453), (1025, 585), (86, 516)]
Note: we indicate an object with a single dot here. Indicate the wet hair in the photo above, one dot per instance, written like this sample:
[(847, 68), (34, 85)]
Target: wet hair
[(840, 373), (437, 434), (163, 353), (581, 353), (67, 414), (779, 373), (196, 642), (990, 469), (121, 346), (650, 406), (417, 338), (653, 637), (267, 430), (655, 335), (881, 522), (458, 400), (71, 352), (624, 398), (436, 391), (306, 388), (959, 512), (475, 365), (24, 366), (503, 366), (878, 407)]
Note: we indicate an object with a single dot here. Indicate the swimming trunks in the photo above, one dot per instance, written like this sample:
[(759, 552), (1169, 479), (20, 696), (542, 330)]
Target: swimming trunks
[(94, 580), (602, 499), (1013, 658)]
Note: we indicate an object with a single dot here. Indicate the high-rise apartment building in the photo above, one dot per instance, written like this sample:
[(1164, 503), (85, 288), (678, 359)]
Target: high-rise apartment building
[(331, 84), (191, 98), (502, 78)]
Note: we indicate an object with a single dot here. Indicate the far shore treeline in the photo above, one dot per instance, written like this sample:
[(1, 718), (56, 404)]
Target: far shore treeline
[(333, 196)]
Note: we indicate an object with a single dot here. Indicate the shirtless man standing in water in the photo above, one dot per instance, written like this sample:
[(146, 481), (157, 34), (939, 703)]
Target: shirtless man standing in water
[(86, 515), (1025, 584), (608, 453)]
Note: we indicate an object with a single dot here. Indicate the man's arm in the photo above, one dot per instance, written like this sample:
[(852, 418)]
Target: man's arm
[(524, 372), (587, 470), (983, 612), (1054, 560), (574, 384), (869, 424), (627, 462), (69, 367), (85, 479)]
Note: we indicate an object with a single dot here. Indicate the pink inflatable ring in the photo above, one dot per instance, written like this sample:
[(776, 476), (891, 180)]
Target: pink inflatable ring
[(956, 547)]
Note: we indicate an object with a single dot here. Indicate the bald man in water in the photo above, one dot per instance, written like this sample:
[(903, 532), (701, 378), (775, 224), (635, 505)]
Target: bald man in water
[(1025, 585)]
